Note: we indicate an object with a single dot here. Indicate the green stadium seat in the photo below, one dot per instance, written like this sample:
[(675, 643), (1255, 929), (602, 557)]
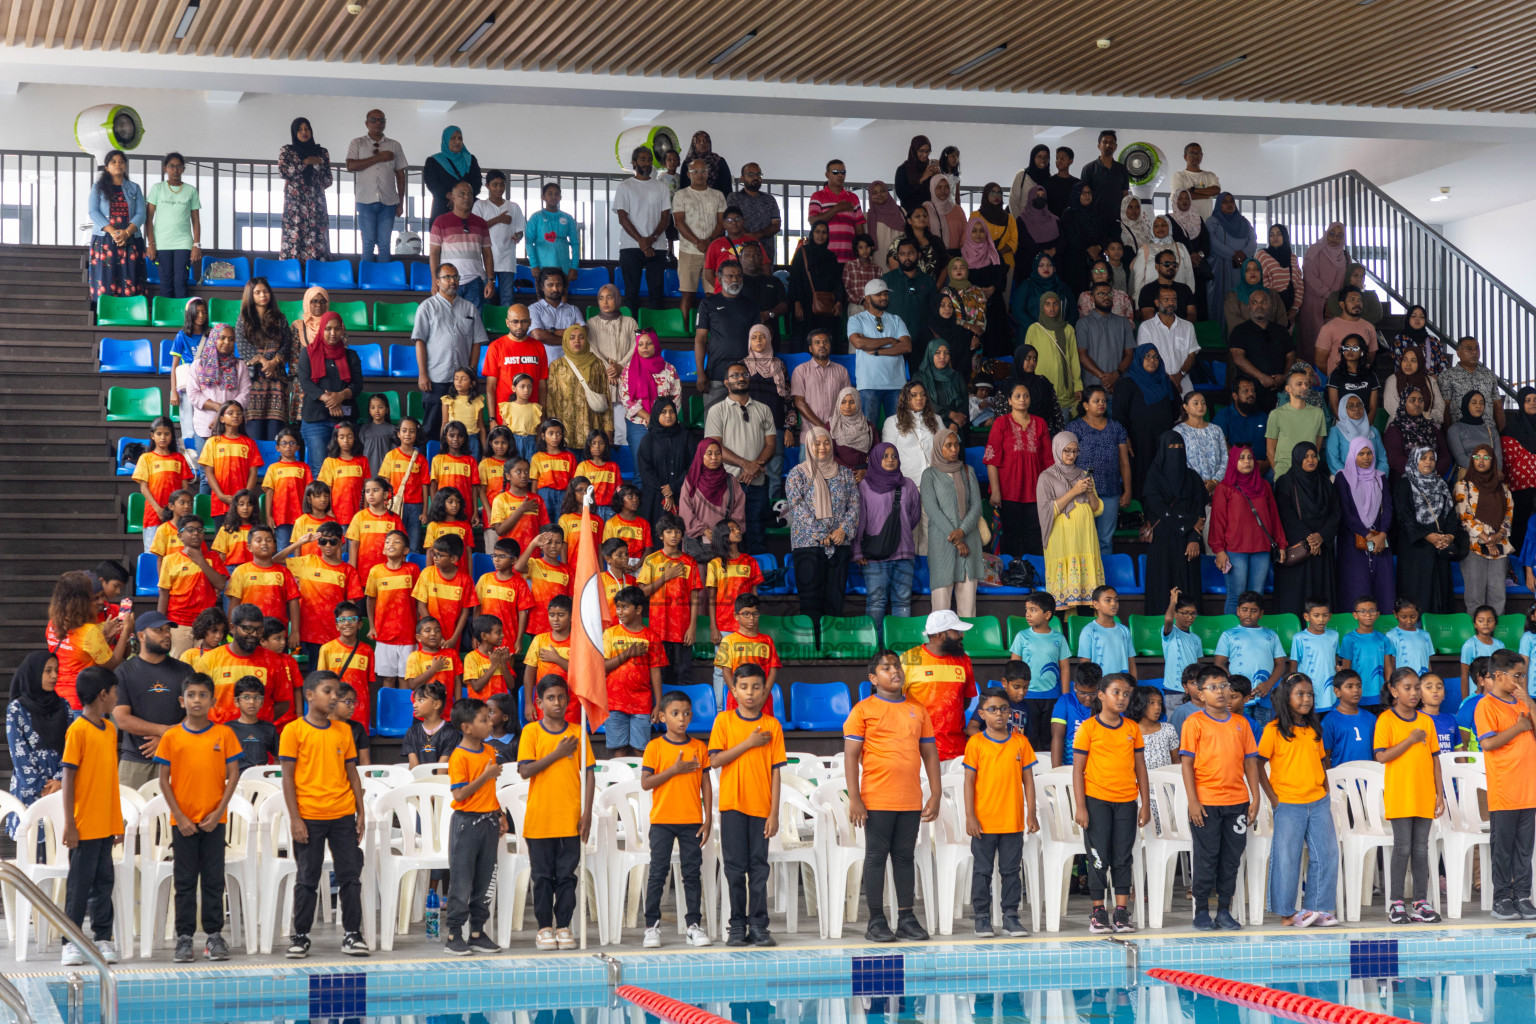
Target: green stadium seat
[(354, 315), (134, 405), (703, 647), (1208, 334), (1449, 631), (667, 323), (395, 316), (122, 311), (1075, 626), (495, 319), (848, 637), (985, 639), (164, 312), (793, 635), (222, 311), (693, 410), (1147, 635), (1285, 625), (292, 309), (1509, 629), (202, 507), (904, 632), (1340, 623), (1209, 629), (136, 512), (414, 406)]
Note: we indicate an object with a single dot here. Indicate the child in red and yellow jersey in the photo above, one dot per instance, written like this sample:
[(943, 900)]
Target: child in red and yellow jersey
[(518, 513), (455, 467), (317, 510), (191, 579), (505, 594), (160, 472), (405, 467), (999, 809), (940, 676), (349, 657), (547, 573), (485, 666), (601, 472), (493, 467), (1109, 775), (447, 515), (266, 584), (633, 658), (729, 575), (616, 575), (672, 581), (166, 537), (284, 485), (444, 591), (628, 525), (344, 471), (551, 467), (1408, 744), (675, 771), (434, 662), (230, 542), (366, 532), (392, 609), (570, 514), (230, 457), (548, 654), (746, 644)]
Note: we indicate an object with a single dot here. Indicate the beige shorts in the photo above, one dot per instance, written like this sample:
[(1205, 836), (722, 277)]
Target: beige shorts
[(690, 267)]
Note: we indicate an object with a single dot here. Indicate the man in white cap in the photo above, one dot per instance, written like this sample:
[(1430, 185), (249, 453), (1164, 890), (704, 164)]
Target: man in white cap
[(941, 678), (880, 340)]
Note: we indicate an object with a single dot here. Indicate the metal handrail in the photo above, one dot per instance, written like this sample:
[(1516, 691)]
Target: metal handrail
[(56, 917), (11, 996)]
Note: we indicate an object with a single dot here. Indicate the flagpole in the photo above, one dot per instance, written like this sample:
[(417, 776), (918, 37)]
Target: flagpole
[(581, 868)]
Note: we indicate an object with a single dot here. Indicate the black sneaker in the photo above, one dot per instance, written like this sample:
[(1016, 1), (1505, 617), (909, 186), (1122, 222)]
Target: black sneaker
[(879, 929), (1423, 913), (760, 937), (1203, 920), (298, 949), (910, 928), (483, 943), (1505, 910), (1397, 913), (183, 949), (1122, 920), (456, 946), (736, 937), (353, 945), (984, 926), (1526, 909), (1225, 920), (1098, 921), (1012, 927), (216, 948)]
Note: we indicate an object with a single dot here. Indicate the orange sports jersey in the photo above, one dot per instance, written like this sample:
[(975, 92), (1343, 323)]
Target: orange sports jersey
[(741, 575), (356, 668), (544, 668), (1109, 771), (746, 784), (226, 665), (464, 767), (999, 769), (199, 766), (1220, 748), (555, 795), (307, 523), (611, 585), (460, 472), (672, 603), (269, 589), (892, 733), (286, 480), (504, 599), (419, 660), (369, 530), (322, 586), (162, 474), (459, 529), (493, 477), (528, 524), (604, 478), (475, 665), (635, 533), (570, 525), (91, 751), (394, 609), (546, 580), (546, 470), (319, 758), (1296, 771), (679, 800), (166, 540), (229, 460), (943, 685), (629, 685), (189, 590), (1512, 767), (1410, 787), (232, 545), (445, 598), (407, 470), (735, 650), (345, 478)]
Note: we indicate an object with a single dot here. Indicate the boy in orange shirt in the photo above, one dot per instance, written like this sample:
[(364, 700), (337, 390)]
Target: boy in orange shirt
[(485, 667), (672, 581), (1109, 775), (93, 812), (1221, 776), (505, 594), (547, 573), (675, 772), (747, 747), (350, 658), (633, 660), (433, 661), (548, 654), (199, 770), (392, 609), (741, 646), (284, 484), (191, 579), (476, 830), (324, 581), (444, 592), (886, 738), (559, 814), (1507, 735), (266, 584), (616, 575), (998, 784)]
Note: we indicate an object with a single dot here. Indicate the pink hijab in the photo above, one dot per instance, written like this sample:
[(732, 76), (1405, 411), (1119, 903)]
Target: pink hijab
[(642, 372), (979, 254)]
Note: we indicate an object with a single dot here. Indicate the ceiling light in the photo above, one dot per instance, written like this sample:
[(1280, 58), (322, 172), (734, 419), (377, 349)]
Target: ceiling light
[(976, 62), (852, 124), (731, 51), (1439, 80), (1208, 72), (1445, 193), (474, 37), (187, 17)]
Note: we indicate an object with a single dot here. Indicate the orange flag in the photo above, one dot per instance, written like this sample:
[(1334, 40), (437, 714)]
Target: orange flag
[(588, 681)]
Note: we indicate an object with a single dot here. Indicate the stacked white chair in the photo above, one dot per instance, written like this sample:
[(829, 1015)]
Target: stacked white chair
[(627, 857), (512, 868), (1363, 830), (1261, 839), (45, 820), (391, 774), (435, 772), (1461, 830), (791, 853), (10, 805), (423, 810), (242, 863), (1060, 839), (1161, 849), (842, 853)]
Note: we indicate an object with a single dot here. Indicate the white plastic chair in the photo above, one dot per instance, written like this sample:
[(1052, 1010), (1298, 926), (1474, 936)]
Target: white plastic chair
[(1461, 830), (953, 861), (9, 805), (423, 810), (45, 820), (156, 873), (435, 772), (150, 789), (272, 773), (275, 873), (1060, 839), (391, 775), (512, 867), (1161, 849), (1255, 872), (1363, 829), (792, 851), (627, 857), (842, 852)]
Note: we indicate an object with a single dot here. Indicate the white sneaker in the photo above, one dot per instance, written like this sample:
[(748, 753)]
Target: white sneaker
[(545, 939), (652, 937), (108, 951), (698, 936), (72, 956)]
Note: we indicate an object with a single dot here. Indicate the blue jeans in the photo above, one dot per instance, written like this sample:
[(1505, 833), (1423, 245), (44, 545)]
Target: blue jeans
[(624, 730), (1298, 825), (411, 513), (1249, 570), (1105, 523), (754, 539), (889, 586), (525, 444), (553, 498), (376, 222), (504, 287), (317, 438), (284, 533), (871, 400), (473, 290), (173, 271), (636, 433)]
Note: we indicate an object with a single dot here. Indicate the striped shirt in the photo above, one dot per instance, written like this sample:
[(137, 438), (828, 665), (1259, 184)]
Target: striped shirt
[(461, 241)]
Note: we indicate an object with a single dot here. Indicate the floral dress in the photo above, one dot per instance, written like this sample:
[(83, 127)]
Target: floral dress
[(306, 223), (1205, 450), (668, 385), (973, 307), (272, 398), (32, 765), (118, 269)]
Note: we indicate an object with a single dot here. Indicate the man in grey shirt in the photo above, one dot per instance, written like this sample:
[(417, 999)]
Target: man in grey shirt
[(1105, 341), (447, 334)]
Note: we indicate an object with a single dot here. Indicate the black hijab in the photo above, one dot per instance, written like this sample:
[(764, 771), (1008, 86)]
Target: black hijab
[(1281, 253), (1309, 493), (668, 446), (1519, 425), (1082, 220), (50, 713), (305, 150), (1466, 408), (1419, 336), (1035, 174), (817, 259), (1170, 479)]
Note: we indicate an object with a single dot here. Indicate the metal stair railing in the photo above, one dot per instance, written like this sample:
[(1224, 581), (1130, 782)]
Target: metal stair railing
[(45, 906), (11, 996)]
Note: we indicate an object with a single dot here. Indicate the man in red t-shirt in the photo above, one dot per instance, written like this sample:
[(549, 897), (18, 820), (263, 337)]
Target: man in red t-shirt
[(511, 354), (727, 247)]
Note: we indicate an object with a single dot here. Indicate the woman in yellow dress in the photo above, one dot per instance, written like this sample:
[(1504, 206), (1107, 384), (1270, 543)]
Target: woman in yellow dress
[(565, 397), (1068, 503), (1056, 342)]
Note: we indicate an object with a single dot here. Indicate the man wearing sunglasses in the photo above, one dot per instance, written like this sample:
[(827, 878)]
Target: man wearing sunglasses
[(1167, 264), (838, 208), (325, 581)]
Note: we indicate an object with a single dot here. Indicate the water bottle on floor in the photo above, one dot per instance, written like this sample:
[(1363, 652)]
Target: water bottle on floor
[(434, 913)]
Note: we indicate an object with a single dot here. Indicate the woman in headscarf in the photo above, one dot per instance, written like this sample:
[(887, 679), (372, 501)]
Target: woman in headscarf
[(1036, 172), (330, 379), (1233, 241), (710, 495), (611, 337), (914, 173), (913, 429), (1365, 515), (1144, 266), (1252, 280), (1024, 307), (1282, 275), (1135, 224), (884, 219), (1411, 429), (1410, 373), (1244, 526), (947, 323), (578, 380), (971, 302), (952, 511), (1068, 503), (305, 167), (1082, 237), (814, 268), (1518, 448), (1371, 308), (1147, 405), (451, 164), (647, 378), (1322, 273), (1119, 302), (1353, 422), (885, 543), (1042, 394), (823, 518), (1486, 509), (1002, 228), (1056, 342), (218, 376), (944, 214), (1018, 451), (1309, 511), (702, 147), (1474, 427), (852, 434), (662, 461), (1039, 228), (1189, 230), (943, 387), (1429, 535), (1415, 334), (931, 254), (317, 302), (768, 382), (1174, 502), (265, 341), (35, 722)]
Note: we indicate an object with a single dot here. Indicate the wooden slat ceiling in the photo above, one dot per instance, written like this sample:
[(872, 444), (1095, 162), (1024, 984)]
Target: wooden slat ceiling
[(1300, 51)]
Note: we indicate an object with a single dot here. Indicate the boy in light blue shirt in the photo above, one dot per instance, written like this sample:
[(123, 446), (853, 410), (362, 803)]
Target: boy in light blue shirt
[(1481, 644), (1315, 653), (1254, 651), (1528, 650), (1411, 646), (1365, 650), (1189, 679), (1348, 732), (1466, 715), (1072, 710), (1181, 648), (1106, 640), (1046, 651)]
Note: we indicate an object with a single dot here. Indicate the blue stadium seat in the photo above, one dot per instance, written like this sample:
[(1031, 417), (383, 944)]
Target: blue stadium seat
[(421, 281), (523, 275), (394, 714), (1212, 579), (670, 284), (1458, 584), (417, 559), (163, 363), (847, 362), (780, 709), (920, 583), (481, 563), (372, 359), (624, 458), (704, 706), (146, 576), (820, 707), (388, 277), (856, 584), (766, 563), (242, 271), (269, 454), (684, 362), (280, 273), (589, 280), (794, 359), (434, 449), (329, 274), (973, 457), (1120, 573), (645, 289), (402, 361), (791, 457), (998, 591), (124, 442), (130, 356)]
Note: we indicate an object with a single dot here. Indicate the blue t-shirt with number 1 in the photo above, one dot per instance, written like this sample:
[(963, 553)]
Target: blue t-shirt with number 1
[(1349, 737)]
